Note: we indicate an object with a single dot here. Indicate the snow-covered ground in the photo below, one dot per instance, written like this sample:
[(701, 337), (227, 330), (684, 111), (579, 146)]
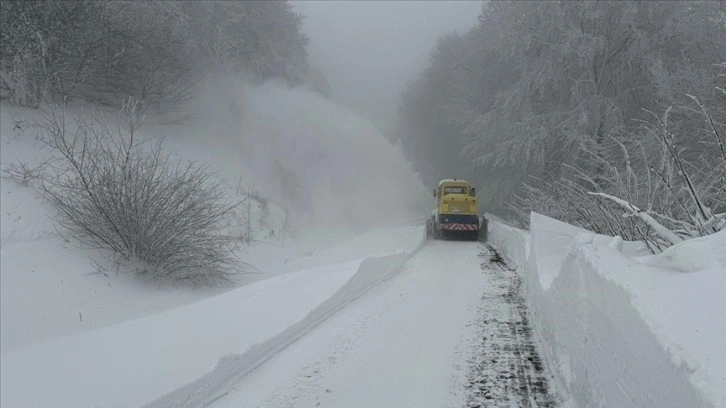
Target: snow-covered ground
[(130, 363)]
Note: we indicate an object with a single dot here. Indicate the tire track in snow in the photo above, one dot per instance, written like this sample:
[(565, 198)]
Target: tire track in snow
[(505, 369)]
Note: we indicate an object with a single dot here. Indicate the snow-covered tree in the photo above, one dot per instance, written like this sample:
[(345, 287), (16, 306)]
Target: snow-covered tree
[(154, 51), (47, 47)]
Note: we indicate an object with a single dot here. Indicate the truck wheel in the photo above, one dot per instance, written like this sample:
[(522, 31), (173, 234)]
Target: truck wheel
[(437, 232)]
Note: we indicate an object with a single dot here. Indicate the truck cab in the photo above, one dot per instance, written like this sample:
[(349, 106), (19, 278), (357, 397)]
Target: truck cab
[(456, 212)]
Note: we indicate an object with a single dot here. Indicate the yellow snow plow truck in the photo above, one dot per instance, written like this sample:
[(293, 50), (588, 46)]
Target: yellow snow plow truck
[(455, 214)]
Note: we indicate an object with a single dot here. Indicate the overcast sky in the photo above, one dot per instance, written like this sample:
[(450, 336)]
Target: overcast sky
[(369, 50)]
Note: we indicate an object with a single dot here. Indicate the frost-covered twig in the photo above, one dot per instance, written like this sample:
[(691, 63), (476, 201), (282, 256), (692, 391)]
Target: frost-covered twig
[(703, 212), (719, 142)]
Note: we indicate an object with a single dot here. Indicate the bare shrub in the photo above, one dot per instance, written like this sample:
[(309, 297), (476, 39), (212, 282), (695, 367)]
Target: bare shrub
[(115, 192), (25, 174)]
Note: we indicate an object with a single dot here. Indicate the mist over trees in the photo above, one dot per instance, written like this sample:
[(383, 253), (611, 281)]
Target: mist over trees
[(153, 51), (559, 107)]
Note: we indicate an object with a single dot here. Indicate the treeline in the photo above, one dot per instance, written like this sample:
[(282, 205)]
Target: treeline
[(564, 107), (153, 51)]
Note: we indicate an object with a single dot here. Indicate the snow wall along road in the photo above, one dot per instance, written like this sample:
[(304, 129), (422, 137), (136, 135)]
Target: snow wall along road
[(615, 331)]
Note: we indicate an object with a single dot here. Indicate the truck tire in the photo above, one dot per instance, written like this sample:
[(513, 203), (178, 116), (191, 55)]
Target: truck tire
[(437, 233)]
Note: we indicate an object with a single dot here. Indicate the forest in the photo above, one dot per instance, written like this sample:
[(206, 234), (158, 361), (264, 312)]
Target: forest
[(606, 115)]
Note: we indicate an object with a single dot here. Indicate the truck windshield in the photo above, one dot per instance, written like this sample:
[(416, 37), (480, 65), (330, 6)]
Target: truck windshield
[(454, 190)]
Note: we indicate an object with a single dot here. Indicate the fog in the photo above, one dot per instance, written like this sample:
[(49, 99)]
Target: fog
[(369, 50)]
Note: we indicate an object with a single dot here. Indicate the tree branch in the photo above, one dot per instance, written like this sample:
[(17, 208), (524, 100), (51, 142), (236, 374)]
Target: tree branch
[(645, 217)]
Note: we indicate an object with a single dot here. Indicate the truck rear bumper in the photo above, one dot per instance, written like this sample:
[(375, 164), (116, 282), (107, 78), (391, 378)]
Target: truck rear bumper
[(458, 222), (459, 227)]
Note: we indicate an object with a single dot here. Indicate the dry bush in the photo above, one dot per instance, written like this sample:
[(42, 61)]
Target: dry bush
[(112, 191)]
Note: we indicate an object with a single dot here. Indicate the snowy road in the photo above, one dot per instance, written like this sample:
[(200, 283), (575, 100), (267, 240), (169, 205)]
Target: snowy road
[(415, 340)]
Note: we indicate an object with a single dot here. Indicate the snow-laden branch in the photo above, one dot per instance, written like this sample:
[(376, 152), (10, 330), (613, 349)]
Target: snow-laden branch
[(644, 216)]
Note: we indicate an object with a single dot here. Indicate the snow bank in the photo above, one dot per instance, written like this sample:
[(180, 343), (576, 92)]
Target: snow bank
[(513, 243), (693, 255), (619, 330)]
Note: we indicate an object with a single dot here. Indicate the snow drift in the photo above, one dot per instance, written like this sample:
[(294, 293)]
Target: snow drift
[(619, 329)]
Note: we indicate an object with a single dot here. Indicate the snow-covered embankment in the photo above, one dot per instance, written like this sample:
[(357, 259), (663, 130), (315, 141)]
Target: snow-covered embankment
[(615, 329)]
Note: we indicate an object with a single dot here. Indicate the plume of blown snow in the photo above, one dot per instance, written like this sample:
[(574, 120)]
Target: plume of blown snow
[(329, 167)]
